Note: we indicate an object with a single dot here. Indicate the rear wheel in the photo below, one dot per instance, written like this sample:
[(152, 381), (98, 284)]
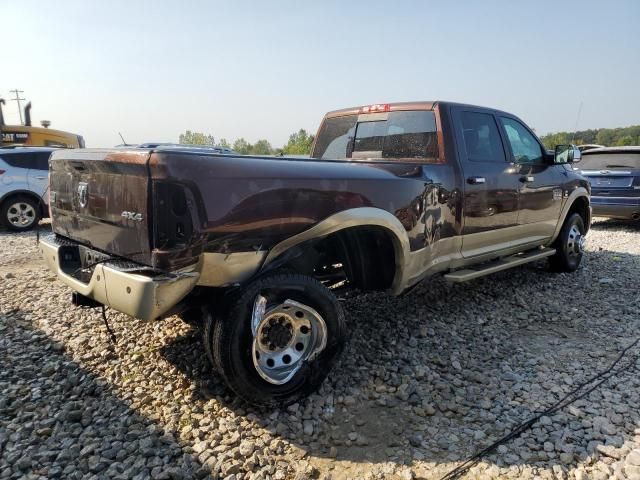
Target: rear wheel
[(20, 213), (278, 339), (569, 245)]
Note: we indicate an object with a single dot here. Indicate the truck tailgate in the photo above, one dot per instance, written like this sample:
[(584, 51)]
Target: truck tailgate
[(100, 198)]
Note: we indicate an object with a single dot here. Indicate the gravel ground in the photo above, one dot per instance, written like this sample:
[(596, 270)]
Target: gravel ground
[(426, 380)]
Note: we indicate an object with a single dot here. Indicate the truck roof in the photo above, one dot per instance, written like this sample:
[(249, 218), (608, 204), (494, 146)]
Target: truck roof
[(417, 105)]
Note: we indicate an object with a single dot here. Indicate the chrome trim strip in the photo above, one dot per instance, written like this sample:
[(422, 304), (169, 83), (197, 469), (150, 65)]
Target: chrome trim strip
[(606, 173)]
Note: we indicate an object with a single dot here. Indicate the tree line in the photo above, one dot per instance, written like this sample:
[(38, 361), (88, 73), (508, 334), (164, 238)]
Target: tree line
[(299, 143), (609, 137)]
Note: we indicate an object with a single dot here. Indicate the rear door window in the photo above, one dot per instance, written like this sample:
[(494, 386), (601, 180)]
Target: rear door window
[(20, 160), (34, 160), (41, 161), (481, 138)]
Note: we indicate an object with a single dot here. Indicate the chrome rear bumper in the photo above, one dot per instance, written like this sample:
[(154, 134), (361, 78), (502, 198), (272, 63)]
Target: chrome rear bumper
[(130, 288)]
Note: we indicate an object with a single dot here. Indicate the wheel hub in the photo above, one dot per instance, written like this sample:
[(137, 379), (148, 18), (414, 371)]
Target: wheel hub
[(21, 214), (576, 242), (277, 333), (284, 337)]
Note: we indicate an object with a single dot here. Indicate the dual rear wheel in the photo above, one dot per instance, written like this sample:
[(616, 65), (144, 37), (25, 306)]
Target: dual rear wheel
[(278, 340)]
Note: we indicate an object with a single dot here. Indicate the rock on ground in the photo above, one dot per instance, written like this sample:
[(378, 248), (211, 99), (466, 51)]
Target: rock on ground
[(426, 380)]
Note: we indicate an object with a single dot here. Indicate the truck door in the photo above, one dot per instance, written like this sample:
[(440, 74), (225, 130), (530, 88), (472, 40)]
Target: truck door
[(540, 195), (490, 205)]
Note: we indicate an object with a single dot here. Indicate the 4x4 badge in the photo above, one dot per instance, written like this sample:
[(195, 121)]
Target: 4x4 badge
[(137, 217), (83, 198)]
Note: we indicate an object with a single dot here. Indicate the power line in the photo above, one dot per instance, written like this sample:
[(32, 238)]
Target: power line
[(565, 401), (18, 99)]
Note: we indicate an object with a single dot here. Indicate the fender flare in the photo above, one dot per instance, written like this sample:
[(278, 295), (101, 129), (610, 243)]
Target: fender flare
[(577, 193), (353, 217)]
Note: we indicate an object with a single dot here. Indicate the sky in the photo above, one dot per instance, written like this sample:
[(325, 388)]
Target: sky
[(264, 69)]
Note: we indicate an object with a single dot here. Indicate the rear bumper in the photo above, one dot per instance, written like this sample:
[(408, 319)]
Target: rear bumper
[(625, 208), (130, 288)]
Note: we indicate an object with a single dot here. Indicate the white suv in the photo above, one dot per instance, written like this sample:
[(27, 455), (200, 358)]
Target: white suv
[(24, 176)]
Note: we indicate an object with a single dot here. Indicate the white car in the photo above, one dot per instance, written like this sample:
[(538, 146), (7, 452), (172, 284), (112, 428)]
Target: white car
[(24, 176)]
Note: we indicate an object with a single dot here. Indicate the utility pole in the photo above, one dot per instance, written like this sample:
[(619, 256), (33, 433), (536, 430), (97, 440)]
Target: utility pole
[(17, 99)]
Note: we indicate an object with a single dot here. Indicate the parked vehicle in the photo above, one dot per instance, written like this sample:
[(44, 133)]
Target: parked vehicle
[(614, 173), (27, 135), (213, 148), (24, 174), (257, 248), (589, 146)]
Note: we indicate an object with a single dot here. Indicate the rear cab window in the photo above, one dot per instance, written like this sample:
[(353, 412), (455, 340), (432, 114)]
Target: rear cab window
[(610, 161), (409, 135)]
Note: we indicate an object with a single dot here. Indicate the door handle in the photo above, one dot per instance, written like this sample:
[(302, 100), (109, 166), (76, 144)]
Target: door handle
[(41, 178), (476, 180), (527, 179)]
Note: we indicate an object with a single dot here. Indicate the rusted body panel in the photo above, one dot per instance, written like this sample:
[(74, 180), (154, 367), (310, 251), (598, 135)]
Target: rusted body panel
[(283, 197), (90, 189)]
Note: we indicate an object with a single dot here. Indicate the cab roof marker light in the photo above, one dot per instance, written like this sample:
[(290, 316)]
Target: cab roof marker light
[(377, 108)]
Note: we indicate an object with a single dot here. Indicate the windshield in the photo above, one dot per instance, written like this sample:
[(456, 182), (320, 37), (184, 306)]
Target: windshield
[(401, 135), (609, 161)]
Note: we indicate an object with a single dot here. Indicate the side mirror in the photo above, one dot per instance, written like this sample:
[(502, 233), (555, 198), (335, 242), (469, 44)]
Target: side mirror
[(566, 154)]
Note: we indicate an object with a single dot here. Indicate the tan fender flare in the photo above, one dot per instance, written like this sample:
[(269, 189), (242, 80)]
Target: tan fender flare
[(573, 196), (354, 217)]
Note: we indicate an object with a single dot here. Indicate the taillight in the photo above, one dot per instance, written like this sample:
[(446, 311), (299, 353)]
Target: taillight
[(378, 107), (172, 219), (2, 171)]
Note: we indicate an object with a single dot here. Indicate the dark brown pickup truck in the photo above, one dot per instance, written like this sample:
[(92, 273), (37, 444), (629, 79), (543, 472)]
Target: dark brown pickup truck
[(257, 248)]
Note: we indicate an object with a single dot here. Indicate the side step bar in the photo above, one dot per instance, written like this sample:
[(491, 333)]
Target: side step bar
[(498, 265)]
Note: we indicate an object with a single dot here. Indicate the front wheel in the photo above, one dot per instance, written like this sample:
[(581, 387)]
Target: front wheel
[(569, 245), (278, 339)]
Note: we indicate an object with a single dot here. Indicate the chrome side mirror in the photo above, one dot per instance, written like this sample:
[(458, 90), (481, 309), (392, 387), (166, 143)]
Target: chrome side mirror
[(566, 154)]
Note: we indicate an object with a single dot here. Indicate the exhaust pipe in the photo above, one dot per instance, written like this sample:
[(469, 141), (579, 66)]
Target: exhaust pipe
[(635, 216), (27, 114)]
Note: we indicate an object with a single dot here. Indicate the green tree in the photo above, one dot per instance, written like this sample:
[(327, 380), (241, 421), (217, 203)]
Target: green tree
[(624, 141), (605, 136), (299, 143), (196, 138), (242, 146), (223, 143), (262, 147), (550, 141)]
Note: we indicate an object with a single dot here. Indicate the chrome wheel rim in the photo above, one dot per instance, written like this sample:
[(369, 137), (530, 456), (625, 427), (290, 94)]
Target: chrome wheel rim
[(21, 214), (576, 242), (284, 338)]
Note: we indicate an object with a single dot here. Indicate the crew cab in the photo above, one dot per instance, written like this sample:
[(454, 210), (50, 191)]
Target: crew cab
[(256, 249)]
